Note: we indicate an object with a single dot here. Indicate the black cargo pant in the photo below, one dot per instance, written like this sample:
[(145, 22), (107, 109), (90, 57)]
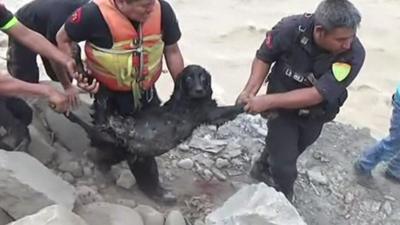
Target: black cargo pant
[(144, 169), (288, 137), (15, 116), (22, 64)]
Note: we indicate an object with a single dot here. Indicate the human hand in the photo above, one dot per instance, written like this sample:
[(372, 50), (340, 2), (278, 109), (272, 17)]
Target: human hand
[(83, 83), (243, 97), (57, 100), (257, 104), (72, 93)]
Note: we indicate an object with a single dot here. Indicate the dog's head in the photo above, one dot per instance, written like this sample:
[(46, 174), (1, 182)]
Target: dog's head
[(194, 82)]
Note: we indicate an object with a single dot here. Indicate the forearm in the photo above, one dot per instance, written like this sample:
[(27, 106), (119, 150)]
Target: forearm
[(10, 86), (37, 43), (174, 60), (259, 71), (64, 43), (296, 99), (61, 74)]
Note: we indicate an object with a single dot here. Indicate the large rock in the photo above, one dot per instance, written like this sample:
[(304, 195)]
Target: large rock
[(40, 148), (256, 204), (175, 217), (27, 186), (102, 213), (149, 215), (51, 215), (4, 217), (59, 124)]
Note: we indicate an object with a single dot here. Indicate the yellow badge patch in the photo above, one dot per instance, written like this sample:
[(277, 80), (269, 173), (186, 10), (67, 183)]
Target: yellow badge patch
[(341, 70)]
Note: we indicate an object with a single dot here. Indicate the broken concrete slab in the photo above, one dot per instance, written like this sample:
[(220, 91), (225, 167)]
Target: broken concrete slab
[(28, 186), (51, 215)]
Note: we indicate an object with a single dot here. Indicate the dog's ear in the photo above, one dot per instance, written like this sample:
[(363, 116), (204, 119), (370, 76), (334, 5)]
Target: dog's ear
[(208, 82)]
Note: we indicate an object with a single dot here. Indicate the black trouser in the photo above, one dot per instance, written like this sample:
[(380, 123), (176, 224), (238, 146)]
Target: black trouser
[(22, 64), (144, 169), (15, 116), (288, 136)]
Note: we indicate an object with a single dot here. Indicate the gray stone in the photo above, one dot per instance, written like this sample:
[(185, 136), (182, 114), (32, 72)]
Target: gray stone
[(175, 217), (207, 174), (72, 167), (28, 186), (387, 208), (4, 217), (86, 195), (375, 206), (348, 198), (87, 171), (127, 202), (218, 174), (51, 215), (256, 205), (184, 147), (185, 164), (221, 163), (238, 185), (204, 159), (68, 177), (232, 153), (39, 148), (102, 213), (58, 124), (126, 179), (316, 175), (207, 145), (198, 222), (149, 215)]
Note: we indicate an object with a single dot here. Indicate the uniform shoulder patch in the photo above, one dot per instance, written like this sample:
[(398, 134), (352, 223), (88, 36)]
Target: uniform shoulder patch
[(340, 70), (76, 16), (268, 40)]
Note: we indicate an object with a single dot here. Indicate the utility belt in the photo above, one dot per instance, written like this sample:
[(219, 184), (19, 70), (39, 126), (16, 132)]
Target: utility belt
[(323, 111)]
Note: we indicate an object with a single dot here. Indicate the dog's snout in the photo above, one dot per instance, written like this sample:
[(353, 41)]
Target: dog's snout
[(199, 89)]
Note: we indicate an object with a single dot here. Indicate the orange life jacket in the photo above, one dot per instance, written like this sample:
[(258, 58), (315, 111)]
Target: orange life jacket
[(135, 60)]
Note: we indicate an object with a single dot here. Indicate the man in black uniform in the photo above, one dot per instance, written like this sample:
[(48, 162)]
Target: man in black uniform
[(45, 17), (316, 58), (146, 29), (15, 114)]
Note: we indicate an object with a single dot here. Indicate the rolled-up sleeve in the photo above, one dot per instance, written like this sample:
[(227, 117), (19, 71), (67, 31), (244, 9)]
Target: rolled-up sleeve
[(330, 86)]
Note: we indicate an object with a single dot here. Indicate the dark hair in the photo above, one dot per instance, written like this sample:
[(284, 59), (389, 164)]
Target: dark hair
[(331, 14)]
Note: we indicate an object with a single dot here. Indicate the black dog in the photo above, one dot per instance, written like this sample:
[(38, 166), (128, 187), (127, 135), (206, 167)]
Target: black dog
[(156, 130)]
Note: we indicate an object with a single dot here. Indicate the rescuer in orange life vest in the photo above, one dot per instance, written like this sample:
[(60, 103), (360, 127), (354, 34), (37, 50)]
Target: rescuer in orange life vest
[(125, 43)]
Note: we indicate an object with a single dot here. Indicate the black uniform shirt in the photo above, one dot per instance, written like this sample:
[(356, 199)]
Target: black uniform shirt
[(47, 16), (88, 24), (5, 16), (292, 38)]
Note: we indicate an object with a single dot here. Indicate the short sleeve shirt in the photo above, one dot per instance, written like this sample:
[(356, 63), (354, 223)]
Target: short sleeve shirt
[(37, 16), (88, 24), (280, 41)]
